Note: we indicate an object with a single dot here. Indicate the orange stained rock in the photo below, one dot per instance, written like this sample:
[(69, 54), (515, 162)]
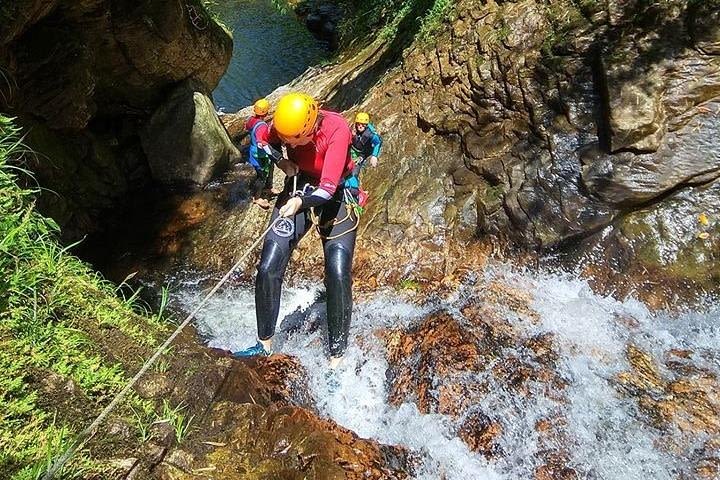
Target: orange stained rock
[(481, 434), (684, 403)]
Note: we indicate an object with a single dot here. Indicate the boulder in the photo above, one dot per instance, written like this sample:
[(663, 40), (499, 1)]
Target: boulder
[(249, 440), (660, 251), (184, 141), (681, 400), (457, 364)]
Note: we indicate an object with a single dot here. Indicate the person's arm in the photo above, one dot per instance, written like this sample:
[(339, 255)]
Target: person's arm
[(376, 142), (262, 133), (333, 169), (275, 144), (377, 145)]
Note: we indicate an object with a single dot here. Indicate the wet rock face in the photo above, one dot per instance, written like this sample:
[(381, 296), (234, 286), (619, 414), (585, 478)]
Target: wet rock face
[(250, 419), (664, 249), (558, 121), (84, 76), (251, 441), (539, 124), (528, 126)]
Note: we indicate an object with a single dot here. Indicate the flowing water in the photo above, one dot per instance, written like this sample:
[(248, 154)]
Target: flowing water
[(607, 436), (269, 49)]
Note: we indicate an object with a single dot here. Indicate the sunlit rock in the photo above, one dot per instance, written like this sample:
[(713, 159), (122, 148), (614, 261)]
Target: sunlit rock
[(682, 400)]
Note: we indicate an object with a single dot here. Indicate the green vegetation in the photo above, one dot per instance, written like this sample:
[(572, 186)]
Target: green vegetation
[(372, 18), (177, 418), (565, 17), (280, 5), (56, 317), (390, 30), (409, 284), (434, 18)]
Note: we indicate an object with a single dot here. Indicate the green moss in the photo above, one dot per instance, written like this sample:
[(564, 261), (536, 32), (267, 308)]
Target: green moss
[(643, 238), (440, 11), (409, 284), (693, 258), (393, 19), (696, 260), (565, 17), (390, 30), (491, 197)]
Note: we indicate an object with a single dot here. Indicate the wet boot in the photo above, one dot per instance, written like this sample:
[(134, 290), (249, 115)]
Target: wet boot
[(257, 350)]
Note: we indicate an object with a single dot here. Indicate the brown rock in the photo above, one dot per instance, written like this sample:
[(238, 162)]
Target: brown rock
[(278, 379), (481, 434), (687, 405), (439, 347), (154, 385), (637, 115), (551, 472), (86, 102), (288, 442)]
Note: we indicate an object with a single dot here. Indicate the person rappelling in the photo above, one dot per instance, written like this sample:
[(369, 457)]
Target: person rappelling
[(318, 152)]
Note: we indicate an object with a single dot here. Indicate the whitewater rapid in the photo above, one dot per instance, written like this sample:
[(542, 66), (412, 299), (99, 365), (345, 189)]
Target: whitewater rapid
[(608, 436)]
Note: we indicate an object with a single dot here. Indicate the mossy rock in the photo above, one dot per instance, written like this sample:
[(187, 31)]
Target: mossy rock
[(677, 240)]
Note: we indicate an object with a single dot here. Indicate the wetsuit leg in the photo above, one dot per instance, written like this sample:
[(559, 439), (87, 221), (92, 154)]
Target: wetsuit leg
[(277, 247), (338, 279), (257, 184)]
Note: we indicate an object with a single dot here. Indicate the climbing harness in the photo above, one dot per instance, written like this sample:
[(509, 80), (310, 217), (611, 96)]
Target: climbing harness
[(86, 434), (354, 206), (315, 219), (198, 20)]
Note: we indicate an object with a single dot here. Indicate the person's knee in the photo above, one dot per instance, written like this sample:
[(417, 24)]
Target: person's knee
[(338, 263), (272, 261)]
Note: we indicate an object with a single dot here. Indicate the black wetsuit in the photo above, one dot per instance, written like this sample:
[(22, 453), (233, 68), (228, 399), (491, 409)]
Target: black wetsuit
[(278, 245)]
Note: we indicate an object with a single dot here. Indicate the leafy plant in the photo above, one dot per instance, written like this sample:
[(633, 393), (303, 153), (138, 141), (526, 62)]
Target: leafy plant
[(144, 414), (434, 18)]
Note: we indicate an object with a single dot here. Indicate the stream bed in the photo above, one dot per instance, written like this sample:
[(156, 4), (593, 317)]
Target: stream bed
[(606, 432)]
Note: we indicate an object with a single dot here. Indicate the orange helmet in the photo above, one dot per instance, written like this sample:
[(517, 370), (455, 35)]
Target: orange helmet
[(362, 117), (295, 115), (261, 107)]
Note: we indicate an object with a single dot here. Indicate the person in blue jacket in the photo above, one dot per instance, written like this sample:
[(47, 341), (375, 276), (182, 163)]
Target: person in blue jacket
[(365, 147), (258, 155)]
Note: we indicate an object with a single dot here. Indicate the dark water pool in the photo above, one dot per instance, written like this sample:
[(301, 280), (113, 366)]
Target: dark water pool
[(270, 49)]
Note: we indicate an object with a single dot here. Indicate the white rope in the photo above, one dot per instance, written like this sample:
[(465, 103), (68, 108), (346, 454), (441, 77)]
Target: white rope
[(85, 435)]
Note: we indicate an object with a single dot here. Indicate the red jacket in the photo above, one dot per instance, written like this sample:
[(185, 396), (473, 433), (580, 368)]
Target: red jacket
[(327, 158), (262, 134)]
